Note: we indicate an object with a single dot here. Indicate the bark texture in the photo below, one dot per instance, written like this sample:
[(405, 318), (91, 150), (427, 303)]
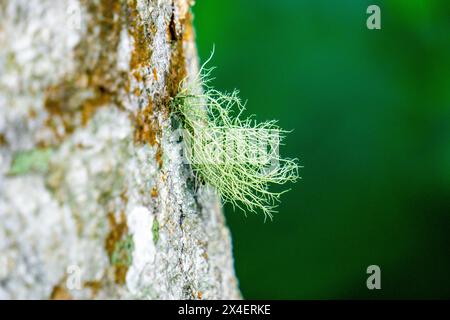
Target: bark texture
[(95, 201)]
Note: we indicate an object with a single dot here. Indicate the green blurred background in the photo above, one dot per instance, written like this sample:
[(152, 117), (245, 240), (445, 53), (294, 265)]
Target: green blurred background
[(370, 112)]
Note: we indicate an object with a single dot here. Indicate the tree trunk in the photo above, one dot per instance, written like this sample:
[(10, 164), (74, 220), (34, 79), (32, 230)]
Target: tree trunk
[(95, 201)]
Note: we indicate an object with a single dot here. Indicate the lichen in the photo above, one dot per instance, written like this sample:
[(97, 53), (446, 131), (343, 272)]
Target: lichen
[(155, 231), (122, 258), (147, 128), (97, 81), (36, 161), (142, 35), (238, 157), (123, 250), (119, 246)]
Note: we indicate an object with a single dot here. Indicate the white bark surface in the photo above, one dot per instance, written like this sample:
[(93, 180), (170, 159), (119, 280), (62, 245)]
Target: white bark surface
[(95, 201)]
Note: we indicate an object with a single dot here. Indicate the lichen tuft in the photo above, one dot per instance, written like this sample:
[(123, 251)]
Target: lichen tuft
[(237, 156)]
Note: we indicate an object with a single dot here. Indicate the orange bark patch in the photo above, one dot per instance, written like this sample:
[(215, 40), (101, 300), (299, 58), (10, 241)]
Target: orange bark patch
[(154, 192), (118, 231), (158, 157), (142, 38), (147, 130), (155, 74), (146, 127), (95, 287), (60, 293), (3, 141), (120, 275)]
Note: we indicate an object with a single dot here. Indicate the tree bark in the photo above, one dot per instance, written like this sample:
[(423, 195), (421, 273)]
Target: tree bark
[(95, 201)]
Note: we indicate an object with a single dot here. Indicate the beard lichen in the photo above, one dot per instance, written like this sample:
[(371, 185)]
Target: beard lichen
[(237, 156)]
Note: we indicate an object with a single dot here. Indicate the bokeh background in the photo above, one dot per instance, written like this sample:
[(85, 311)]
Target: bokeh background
[(370, 112)]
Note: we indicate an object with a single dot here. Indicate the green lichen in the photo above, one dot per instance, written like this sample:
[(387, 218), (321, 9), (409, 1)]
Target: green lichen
[(237, 156), (31, 161), (123, 252), (155, 231)]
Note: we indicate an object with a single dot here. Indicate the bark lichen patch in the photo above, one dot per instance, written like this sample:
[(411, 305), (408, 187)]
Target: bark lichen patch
[(36, 160), (146, 126), (73, 102), (119, 246), (122, 258), (146, 69), (97, 81), (117, 230), (142, 34), (155, 231), (148, 130)]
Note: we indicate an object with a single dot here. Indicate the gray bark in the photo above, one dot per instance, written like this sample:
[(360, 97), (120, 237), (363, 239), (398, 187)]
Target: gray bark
[(95, 201)]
